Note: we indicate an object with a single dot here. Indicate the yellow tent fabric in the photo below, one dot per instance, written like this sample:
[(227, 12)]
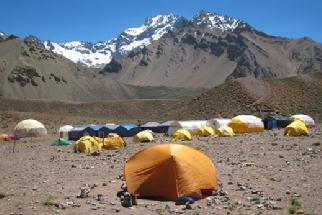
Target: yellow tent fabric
[(225, 131), (206, 131), (169, 171), (143, 136), (181, 134), (296, 128), (111, 142), (246, 124), (88, 145), (113, 135)]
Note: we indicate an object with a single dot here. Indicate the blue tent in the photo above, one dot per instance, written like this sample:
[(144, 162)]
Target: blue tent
[(127, 130), (93, 130), (155, 127), (277, 121), (76, 133), (106, 130)]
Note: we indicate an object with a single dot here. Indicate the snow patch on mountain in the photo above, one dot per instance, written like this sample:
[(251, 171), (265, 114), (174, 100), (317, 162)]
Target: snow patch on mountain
[(98, 54), (213, 20), (73, 51)]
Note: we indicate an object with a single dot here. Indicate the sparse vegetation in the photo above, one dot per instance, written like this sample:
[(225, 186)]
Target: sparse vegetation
[(295, 205), (255, 199), (48, 201), (160, 211), (3, 195)]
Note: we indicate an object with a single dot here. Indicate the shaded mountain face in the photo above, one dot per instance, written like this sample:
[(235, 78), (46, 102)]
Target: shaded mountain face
[(212, 49), (27, 70)]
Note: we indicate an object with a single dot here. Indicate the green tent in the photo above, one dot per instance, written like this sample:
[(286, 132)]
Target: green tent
[(61, 142)]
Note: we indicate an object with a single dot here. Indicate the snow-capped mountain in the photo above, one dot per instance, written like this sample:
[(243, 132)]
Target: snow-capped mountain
[(213, 20), (98, 54)]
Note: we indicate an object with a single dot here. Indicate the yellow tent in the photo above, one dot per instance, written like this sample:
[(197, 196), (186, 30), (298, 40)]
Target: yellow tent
[(88, 145), (169, 171), (205, 131), (113, 135), (224, 131), (246, 124), (143, 136), (113, 141), (296, 128), (181, 134)]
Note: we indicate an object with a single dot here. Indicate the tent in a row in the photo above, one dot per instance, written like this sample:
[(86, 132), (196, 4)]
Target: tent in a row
[(30, 128), (246, 124), (217, 123), (277, 121), (156, 127), (125, 130), (308, 121), (193, 126)]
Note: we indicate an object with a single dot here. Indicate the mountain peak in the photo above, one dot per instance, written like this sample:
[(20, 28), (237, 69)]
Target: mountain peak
[(214, 20)]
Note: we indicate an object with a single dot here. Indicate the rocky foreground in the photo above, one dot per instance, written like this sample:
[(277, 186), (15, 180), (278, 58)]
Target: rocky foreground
[(262, 173)]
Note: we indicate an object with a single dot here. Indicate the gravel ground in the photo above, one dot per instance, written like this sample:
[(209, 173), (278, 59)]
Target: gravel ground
[(261, 173)]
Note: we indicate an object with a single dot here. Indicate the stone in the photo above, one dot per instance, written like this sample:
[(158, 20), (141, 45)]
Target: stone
[(84, 192), (127, 200), (100, 197)]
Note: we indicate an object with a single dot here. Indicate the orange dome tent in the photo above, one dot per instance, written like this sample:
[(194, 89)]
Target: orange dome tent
[(169, 171)]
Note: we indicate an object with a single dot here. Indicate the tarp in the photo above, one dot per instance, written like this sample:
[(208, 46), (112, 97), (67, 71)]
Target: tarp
[(224, 131), (94, 130), (246, 124), (30, 128), (277, 121), (192, 126), (112, 141), (218, 122), (181, 134), (88, 145), (155, 127), (309, 121), (61, 142), (143, 136), (127, 130), (296, 128), (205, 131), (170, 171)]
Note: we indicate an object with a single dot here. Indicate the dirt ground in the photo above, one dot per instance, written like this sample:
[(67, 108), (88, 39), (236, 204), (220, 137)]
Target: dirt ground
[(261, 173)]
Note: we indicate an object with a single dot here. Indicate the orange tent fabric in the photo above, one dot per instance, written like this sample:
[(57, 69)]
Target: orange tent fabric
[(168, 171)]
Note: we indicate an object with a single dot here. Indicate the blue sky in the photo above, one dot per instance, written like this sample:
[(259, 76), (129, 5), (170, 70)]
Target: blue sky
[(97, 20)]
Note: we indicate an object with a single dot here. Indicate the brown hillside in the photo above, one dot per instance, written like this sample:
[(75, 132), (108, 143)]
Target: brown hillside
[(302, 94)]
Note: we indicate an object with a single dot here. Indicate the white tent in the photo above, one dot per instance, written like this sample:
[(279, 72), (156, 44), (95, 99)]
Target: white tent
[(246, 123), (308, 121), (217, 123), (111, 126), (151, 124), (30, 128), (63, 131), (193, 126)]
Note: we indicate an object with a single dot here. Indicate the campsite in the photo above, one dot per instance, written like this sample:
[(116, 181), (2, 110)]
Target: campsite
[(160, 107), (258, 172)]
